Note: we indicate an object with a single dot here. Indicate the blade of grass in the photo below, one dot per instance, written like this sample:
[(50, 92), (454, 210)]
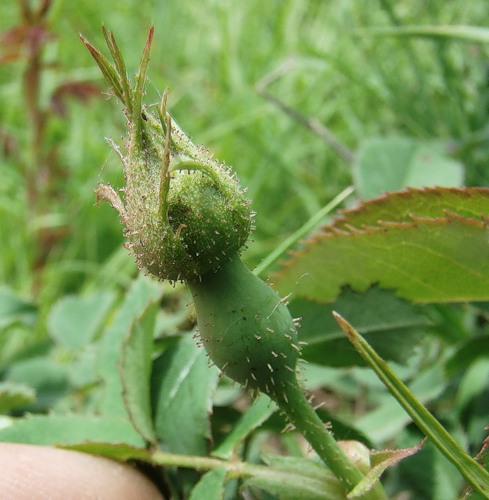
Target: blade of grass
[(396, 24), (470, 34), (474, 474), (302, 231)]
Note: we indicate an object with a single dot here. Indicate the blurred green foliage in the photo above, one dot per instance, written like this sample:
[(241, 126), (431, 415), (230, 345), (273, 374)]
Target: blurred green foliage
[(212, 55), (322, 62)]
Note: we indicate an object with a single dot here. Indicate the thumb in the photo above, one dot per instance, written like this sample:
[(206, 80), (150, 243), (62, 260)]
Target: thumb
[(40, 472)]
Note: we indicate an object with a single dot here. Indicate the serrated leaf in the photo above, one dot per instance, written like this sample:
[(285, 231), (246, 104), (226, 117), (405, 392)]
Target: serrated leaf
[(389, 164), (73, 321), (14, 395), (290, 478), (393, 327), (70, 429), (183, 385), (142, 292), (211, 485), (428, 203), (135, 372), (443, 259)]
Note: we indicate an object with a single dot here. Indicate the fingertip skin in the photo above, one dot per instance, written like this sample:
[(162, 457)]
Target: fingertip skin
[(30, 472)]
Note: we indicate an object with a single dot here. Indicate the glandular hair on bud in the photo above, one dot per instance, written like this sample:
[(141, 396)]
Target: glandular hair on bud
[(184, 213), (206, 219)]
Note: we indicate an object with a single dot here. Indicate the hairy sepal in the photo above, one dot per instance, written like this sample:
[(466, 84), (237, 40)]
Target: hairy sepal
[(204, 218), (183, 211)]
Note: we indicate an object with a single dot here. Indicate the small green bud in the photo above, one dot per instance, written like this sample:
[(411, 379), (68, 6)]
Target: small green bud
[(185, 214)]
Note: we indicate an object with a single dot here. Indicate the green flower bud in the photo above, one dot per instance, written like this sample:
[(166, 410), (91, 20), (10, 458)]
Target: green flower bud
[(184, 213)]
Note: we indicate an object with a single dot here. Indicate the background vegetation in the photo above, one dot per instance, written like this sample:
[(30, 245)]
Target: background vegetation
[(289, 93)]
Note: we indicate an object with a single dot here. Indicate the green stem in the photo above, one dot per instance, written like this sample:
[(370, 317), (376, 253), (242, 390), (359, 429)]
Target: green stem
[(238, 469), (302, 415), (193, 462)]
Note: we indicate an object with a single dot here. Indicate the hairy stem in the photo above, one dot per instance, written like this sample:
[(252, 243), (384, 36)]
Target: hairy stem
[(302, 415), (238, 469)]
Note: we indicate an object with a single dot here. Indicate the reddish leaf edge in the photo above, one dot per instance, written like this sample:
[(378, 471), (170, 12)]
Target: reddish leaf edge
[(340, 226), (344, 216)]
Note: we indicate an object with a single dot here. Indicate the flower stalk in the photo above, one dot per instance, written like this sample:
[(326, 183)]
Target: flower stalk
[(186, 219)]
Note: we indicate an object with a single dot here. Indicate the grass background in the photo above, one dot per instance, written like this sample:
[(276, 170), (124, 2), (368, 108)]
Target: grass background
[(212, 55)]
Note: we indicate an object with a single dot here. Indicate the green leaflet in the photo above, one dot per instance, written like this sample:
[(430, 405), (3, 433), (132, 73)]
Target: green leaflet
[(389, 164), (210, 486), (65, 430), (400, 206), (254, 416), (182, 388), (135, 372), (74, 321), (142, 293), (392, 325), (434, 253)]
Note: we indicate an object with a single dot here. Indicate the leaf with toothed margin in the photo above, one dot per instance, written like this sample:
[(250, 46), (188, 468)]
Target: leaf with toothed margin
[(66, 430), (437, 253), (393, 327), (295, 477), (135, 371), (142, 293), (428, 202), (182, 388)]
